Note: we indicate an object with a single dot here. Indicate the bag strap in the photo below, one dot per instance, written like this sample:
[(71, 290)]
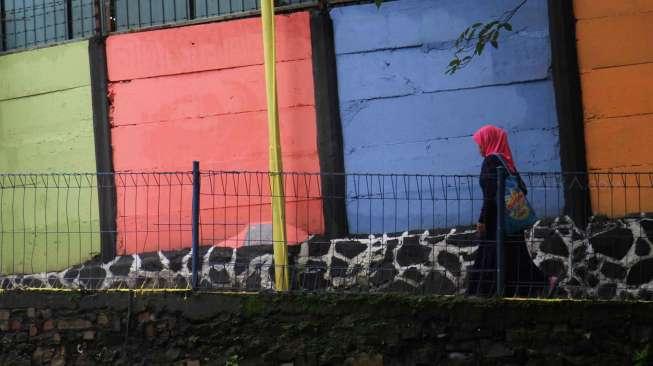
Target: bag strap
[(505, 165), (522, 185)]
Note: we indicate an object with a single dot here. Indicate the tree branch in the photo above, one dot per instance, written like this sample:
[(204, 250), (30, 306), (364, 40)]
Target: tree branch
[(472, 41)]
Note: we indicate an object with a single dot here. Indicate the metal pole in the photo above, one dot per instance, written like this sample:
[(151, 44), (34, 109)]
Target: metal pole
[(276, 170), (195, 222), (69, 18), (501, 205)]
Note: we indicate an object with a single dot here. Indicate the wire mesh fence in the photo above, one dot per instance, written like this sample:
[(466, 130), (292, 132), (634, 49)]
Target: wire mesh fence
[(32, 23), (345, 232), (128, 14)]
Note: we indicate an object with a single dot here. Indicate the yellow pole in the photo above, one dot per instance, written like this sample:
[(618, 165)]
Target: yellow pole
[(276, 179)]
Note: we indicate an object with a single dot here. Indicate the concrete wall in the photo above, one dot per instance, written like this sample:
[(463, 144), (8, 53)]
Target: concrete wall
[(615, 55), (401, 113), (198, 93), (46, 126)]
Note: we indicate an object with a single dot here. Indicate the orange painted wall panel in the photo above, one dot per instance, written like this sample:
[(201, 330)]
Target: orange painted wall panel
[(615, 49), (585, 9), (617, 195), (615, 41), (198, 93), (622, 145), (618, 91), (619, 143)]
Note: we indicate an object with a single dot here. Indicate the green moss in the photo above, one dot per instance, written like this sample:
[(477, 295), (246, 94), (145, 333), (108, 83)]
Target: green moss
[(254, 305)]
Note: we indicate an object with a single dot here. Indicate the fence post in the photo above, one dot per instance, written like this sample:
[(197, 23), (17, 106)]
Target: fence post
[(191, 10), (501, 205), (195, 223), (102, 17), (3, 21), (69, 20)]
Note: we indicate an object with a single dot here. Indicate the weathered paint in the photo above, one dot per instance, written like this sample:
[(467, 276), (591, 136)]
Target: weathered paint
[(45, 127), (198, 93), (402, 114), (615, 55)]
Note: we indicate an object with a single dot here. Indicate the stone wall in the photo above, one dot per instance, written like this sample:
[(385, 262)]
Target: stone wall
[(121, 328), (610, 259)]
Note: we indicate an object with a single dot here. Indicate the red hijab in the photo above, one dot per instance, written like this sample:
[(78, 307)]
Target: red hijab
[(494, 141)]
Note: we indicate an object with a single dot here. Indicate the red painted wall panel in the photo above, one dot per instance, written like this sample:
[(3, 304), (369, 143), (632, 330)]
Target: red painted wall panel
[(210, 93), (204, 47), (198, 93)]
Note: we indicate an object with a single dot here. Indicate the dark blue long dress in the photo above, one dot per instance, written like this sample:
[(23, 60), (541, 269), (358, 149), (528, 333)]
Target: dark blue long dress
[(522, 277)]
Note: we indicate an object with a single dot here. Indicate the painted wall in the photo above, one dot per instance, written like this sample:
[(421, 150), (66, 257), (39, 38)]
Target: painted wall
[(197, 93), (46, 126), (615, 55), (401, 113)]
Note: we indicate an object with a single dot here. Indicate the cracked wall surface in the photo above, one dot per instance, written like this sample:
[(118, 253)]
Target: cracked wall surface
[(198, 93), (402, 114), (615, 56)]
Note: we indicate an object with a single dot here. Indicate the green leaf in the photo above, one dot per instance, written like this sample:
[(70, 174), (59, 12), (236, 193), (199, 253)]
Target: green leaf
[(464, 33), (479, 48), (508, 27), (494, 39), (487, 28), (454, 62), (378, 3)]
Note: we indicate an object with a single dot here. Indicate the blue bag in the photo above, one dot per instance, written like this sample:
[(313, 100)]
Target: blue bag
[(519, 214)]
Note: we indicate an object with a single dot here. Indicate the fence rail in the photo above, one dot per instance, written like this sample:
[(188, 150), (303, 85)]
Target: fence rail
[(402, 233)]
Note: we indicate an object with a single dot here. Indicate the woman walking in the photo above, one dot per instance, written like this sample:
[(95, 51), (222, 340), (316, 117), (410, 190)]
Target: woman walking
[(522, 277)]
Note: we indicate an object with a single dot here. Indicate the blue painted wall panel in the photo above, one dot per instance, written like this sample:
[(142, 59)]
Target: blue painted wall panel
[(402, 114), (404, 23), (414, 70)]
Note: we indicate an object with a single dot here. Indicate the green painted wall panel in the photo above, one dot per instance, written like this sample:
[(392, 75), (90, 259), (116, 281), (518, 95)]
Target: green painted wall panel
[(48, 222), (50, 132), (44, 70)]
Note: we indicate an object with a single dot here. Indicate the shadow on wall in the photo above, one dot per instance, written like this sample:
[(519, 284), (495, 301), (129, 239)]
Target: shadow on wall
[(154, 210)]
